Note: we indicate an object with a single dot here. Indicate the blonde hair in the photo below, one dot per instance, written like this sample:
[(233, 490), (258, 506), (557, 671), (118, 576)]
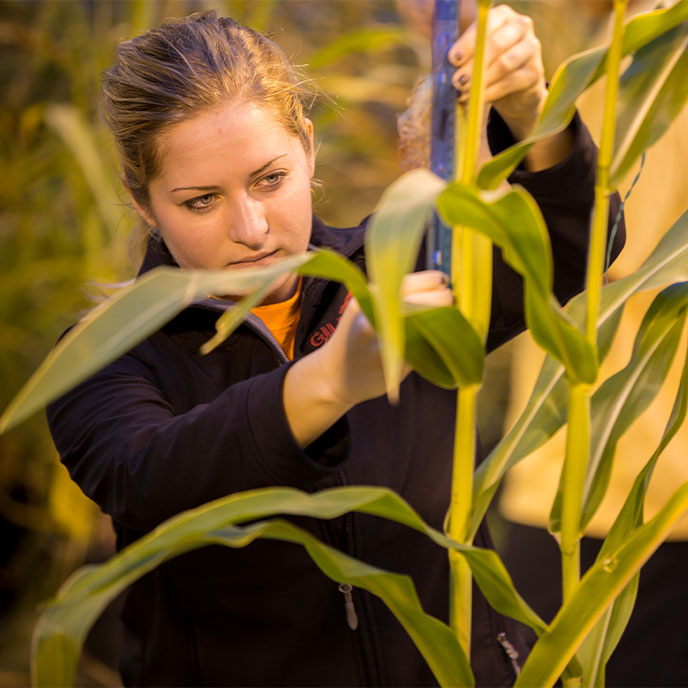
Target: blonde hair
[(184, 67), (414, 126)]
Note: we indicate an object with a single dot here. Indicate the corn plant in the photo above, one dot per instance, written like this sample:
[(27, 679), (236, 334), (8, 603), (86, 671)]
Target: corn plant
[(639, 105)]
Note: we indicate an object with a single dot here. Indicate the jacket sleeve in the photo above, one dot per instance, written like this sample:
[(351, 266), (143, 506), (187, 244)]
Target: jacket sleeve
[(565, 194), (142, 460)]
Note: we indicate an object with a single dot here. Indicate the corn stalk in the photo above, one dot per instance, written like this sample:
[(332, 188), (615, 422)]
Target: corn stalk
[(472, 277)]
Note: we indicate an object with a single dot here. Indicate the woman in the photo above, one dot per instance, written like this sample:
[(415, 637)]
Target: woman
[(217, 156)]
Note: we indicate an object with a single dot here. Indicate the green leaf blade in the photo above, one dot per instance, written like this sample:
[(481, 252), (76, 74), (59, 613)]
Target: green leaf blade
[(652, 92), (392, 244), (124, 320), (571, 79), (545, 410), (627, 394), (453, 341), (88, 591), (513, 221), (603, 582)]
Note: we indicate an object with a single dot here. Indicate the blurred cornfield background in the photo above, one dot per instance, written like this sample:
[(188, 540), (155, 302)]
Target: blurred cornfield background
[(64, 223)]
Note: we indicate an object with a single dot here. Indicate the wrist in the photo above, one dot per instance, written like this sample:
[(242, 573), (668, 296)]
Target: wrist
[(311, 400)]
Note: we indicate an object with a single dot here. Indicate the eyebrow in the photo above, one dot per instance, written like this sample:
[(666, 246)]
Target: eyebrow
[(210, 188)]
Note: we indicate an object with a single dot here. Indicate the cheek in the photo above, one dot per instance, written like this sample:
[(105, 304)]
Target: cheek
[(191, 248), (292, 218)]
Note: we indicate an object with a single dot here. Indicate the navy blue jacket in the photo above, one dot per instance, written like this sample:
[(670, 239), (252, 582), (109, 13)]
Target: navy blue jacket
[(165, 429)]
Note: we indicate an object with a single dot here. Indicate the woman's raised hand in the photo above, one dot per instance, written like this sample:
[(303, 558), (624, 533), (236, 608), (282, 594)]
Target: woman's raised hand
[(514, 74)]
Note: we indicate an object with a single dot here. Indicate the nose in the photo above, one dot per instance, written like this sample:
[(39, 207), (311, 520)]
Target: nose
[(247, 223)]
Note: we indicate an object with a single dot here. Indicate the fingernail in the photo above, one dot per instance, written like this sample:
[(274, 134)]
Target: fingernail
[(455, 56), (463, 79)]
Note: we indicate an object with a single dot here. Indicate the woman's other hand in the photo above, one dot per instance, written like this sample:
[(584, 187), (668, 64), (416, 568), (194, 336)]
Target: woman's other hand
[(347, 370)]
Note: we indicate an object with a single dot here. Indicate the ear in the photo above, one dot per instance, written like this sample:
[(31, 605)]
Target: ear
[(311, 155), (143, 212)]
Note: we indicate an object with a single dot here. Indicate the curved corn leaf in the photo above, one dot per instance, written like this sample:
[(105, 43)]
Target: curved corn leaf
[(597, 648), (57, 643), (121, 322), (631, 514), (598, 588), (624, 396), (629, 518), (392, 244), (513, 221), (572, 78), (321, 263), (449, 337), (545, 411), (140, 309), (627, 394), (652, 92), (234, 316), (63, 627)]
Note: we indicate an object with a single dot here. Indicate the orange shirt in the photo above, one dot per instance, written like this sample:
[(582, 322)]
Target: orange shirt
[(281, 319)]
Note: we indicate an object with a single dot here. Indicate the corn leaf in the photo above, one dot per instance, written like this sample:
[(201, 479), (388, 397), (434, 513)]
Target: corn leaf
[(545, 411), (598, 588), (392, 245), (121, 322), (652, 92), (62, 628), (513, 222), (596, 649), (573, 77), (321, 263), (138, 310), (627, 394), (58, 641), (595, 652), (443, 333)]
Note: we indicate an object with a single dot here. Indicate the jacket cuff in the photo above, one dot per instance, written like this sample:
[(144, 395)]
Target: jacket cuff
[(560, 180), (276, 447)]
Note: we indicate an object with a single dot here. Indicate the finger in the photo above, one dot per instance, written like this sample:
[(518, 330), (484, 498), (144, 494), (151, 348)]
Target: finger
[(526, 81), (508, 47), (508, 35), (524, 55), (425, 280), (463, 50), (517, 69), (434, 298)]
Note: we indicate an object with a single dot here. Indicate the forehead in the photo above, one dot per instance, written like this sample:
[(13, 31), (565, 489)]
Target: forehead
[(238, 131)]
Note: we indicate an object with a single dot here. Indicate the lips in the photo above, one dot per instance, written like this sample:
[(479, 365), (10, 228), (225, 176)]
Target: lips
[(254, 261)]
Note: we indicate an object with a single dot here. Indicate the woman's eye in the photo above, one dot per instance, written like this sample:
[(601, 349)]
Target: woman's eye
[(200, 202), (270, 181)]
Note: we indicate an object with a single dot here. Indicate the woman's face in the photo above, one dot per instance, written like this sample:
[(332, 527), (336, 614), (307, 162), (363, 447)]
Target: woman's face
[(233, 192)]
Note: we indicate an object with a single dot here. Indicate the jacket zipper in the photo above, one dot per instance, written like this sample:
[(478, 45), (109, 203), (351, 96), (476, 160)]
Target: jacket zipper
[(371, 664), (349, 607), (346, 588), (510, 651)]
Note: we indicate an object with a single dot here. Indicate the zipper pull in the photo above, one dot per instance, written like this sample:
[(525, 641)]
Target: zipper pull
[(510, 651), (351, 616)]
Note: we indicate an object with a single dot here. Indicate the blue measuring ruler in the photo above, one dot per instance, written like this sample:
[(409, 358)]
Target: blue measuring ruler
[(445, 32)]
